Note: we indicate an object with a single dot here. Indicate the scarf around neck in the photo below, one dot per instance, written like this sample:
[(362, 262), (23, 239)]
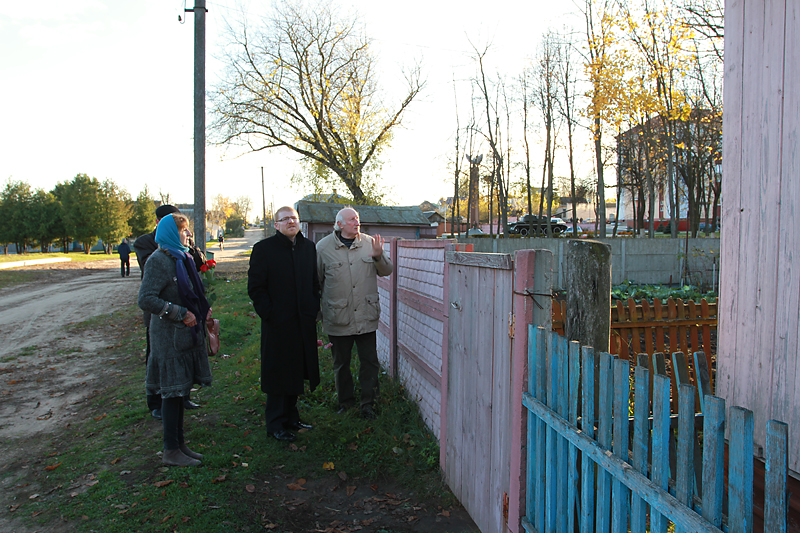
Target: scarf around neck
[(190, 286)]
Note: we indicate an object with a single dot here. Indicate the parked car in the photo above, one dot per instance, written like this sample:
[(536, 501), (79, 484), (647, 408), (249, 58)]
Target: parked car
[(533, 225)]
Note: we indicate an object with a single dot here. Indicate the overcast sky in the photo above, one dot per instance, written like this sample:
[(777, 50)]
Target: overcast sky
[(104, 87)]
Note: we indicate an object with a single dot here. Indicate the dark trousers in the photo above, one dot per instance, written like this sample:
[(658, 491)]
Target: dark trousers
[(368, 368), (281, 409), (172, 420), (125, 266)]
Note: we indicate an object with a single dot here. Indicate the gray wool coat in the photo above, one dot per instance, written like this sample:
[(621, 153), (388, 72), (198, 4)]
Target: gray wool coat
[(177, 361)]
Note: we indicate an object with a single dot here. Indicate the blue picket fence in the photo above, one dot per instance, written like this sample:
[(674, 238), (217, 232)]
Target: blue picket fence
[(585, 474)]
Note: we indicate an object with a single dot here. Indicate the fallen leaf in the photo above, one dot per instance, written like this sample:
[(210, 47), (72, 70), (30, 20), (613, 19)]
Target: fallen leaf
[(228, 424), (350, 490), (248, 448), (327, 466), (160, 484), (33, 496), (115, 461), (245, 465), (45, 416), (13, 508), (99, 418), (250, 488), (445, 514), (374, 488), (353, 446), (293, 447), (93, 483), (166, 518), (295, 486), (220, 478), (301, 481), (124, 472), (342, 476), (270, 526), (397, 451), (53, 467), (185, 519)]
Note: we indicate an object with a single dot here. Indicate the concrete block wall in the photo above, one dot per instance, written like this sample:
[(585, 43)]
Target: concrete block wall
[(661, 261)]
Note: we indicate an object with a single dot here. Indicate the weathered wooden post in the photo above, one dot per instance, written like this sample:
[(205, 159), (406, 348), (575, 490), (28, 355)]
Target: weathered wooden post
[(587, 279)]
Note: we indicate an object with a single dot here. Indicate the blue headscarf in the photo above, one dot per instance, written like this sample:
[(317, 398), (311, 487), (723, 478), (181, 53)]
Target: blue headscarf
[(168, 237), (190, 286)]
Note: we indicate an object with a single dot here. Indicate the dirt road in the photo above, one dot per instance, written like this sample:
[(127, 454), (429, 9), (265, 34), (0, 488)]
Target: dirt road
[(41, 360)]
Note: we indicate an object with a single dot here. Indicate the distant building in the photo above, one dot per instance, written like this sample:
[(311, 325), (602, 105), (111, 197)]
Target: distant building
[(408, 222)]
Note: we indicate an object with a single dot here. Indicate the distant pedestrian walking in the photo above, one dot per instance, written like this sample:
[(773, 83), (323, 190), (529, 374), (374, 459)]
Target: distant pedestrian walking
[(124, 252), (221, 240)]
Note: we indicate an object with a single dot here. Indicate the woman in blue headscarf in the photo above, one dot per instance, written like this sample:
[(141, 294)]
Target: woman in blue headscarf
[(172, 292)]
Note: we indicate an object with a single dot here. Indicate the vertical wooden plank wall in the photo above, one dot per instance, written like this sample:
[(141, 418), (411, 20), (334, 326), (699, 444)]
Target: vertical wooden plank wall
[(759, 287), (786, 370)]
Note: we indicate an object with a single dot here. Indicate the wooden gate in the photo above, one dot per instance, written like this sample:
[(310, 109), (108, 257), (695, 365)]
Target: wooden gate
[(584, 472), (479, 395)]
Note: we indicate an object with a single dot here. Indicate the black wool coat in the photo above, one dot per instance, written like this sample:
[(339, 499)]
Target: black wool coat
[(282, 282)]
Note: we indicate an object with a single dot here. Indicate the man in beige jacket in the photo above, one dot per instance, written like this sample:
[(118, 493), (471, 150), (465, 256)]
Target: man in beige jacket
[(348, 263)]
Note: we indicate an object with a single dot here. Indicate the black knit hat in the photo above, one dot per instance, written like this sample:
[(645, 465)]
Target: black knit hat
[(166, 209)]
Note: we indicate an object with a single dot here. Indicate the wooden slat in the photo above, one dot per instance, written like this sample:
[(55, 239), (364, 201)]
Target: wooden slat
[(641, 434), (621, 495), (775, 480), (683, 344), (545, 342), (647, 316), (661, 433), (713, 459), (672, 313), (703, 377), (705, 313), (551, 467), (659, 315), (684, 475), (563, 410), (572, 460), (740, 471), (588, 490), (636, 345), (604, 417), (623, 331)]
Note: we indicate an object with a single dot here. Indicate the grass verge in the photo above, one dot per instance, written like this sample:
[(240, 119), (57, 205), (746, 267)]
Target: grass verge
[(103, 474)]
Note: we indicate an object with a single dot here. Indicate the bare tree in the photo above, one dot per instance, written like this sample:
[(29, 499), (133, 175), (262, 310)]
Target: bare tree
[(707, 18), (547, 95), (568, 85), (305, 80), (490, 134)]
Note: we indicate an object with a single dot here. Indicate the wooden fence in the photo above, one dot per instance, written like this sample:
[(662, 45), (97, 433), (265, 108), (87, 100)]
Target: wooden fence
[(683, 329), (585, 474)]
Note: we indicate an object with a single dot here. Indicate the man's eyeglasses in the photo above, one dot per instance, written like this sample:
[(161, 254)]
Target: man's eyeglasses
[(286, 219)]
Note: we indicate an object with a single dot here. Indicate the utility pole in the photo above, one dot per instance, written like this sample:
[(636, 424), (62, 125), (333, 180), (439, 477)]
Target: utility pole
[(200, 121), (263, 204)]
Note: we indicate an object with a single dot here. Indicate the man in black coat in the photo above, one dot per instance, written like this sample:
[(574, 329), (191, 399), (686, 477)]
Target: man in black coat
[(282, 282)]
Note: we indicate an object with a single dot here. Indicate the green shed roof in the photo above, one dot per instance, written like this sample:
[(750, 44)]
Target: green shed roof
[(315, 213)]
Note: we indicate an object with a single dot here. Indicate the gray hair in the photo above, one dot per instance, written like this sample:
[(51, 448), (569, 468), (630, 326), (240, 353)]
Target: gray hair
[(340, 218)]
